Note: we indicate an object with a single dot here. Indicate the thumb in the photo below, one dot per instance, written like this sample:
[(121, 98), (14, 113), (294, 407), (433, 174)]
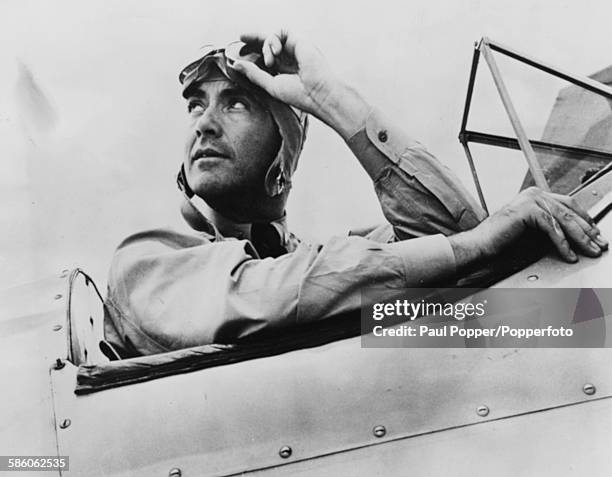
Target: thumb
[(254, 74)]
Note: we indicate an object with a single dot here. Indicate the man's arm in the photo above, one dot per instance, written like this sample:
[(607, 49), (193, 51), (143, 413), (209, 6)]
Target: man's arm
[(168, 290), (307, 82), (418, 195)]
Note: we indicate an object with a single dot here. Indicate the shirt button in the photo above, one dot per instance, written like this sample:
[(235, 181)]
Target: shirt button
[(382, 136)]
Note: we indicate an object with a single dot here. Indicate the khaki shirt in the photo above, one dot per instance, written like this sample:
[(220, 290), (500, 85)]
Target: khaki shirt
[(169, 290)]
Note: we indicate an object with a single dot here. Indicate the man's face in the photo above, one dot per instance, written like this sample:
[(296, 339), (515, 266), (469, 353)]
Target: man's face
[(231, 143)]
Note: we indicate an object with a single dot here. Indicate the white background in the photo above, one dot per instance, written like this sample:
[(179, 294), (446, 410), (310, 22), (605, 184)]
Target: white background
[(91, 119)]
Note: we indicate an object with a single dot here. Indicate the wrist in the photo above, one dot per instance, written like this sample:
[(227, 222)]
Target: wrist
[(343, 109), (469, 248)]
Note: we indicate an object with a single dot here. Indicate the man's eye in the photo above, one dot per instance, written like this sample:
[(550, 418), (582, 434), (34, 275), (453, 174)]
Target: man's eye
[(194, 107), (239, 104)]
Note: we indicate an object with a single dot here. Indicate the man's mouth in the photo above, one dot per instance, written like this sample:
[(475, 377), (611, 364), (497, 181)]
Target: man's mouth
[(209, 152)]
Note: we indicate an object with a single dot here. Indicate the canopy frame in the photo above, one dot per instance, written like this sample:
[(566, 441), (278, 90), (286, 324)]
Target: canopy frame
[(485, 47)]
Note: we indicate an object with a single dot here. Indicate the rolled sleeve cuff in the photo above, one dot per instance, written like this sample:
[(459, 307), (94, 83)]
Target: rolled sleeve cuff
[(414, 159), (390, 140), (427, 260)]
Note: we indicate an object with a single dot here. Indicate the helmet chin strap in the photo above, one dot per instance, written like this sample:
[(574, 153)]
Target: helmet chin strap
[(200, 205), (227, 227)]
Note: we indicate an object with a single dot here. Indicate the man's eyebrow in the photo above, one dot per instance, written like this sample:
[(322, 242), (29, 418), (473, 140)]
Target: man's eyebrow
[(227, 92), (238, 91)]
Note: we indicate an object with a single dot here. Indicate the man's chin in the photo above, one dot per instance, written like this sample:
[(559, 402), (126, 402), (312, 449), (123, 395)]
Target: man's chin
[(208, 183), (218, 192), (225, 187)]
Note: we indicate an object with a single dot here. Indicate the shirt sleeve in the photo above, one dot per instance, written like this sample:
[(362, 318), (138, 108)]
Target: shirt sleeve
[(168, 290), (418, 195)]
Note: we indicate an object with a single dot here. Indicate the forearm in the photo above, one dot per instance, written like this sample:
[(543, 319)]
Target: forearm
[(346, 266), (342, 108), (467, 249)]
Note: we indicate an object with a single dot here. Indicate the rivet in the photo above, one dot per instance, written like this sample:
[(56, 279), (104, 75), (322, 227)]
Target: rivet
[(589, 389), (65, 423), (59, 364), (482, 411), (594, 192), (379, 431), (58, 296), (382, 136), (533, 278), (176, 472), (285, 452), (57, 327)]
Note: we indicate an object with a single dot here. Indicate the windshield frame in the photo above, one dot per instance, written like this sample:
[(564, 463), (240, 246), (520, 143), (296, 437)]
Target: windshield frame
[(527, 146)]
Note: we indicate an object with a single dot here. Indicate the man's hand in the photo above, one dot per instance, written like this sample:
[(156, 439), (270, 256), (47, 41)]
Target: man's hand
[(304, 80), (567, 225)]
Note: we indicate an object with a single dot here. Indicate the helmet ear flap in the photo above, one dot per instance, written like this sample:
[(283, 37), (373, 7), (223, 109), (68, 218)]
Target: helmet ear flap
[(183, 185), (292, 128), (276, 180)]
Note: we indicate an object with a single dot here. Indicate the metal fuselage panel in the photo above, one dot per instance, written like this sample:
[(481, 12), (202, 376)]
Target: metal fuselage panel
[(572, 440), (32, 337), (323, 403), (318, 402)]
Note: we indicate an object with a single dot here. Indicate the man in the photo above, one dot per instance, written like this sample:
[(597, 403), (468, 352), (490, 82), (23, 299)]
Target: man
[(240, 270)]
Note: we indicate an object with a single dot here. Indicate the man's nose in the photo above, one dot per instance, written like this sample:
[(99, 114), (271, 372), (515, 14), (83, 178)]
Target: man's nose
[(209, 123)]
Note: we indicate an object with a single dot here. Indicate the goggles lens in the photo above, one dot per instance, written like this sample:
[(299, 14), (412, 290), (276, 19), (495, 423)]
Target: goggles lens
[(236, 50), (191, 68)]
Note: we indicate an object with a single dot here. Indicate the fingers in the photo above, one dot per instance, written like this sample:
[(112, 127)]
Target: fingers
[(572, 204), (252, 37), (587, 223), (256, 75), (575, 229), (596, 241), (260, 38), (546, 222), (268, 53), (271, 44), (568, 226)]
